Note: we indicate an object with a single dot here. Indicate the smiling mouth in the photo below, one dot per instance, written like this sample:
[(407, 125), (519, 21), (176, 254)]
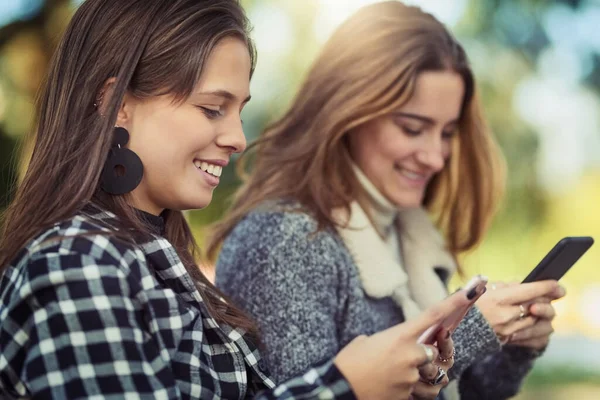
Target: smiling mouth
[(411, 175), (212, 169)]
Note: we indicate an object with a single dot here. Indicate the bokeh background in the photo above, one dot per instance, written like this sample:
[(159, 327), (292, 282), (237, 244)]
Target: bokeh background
[(538, 67)]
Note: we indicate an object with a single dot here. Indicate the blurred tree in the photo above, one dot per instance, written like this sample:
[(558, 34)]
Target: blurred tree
[(26, 46)]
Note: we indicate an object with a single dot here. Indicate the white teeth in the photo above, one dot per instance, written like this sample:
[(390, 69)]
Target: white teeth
[(411, 175), (212, 169)]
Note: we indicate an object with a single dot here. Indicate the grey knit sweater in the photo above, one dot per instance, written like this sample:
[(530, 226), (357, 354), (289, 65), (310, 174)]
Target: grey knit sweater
[(304, 290)]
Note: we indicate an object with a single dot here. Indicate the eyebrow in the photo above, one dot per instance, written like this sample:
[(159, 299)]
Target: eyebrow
[(422, 118), (225, 94)]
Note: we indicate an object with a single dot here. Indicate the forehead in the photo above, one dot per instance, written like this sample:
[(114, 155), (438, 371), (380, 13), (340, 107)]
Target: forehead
[(438, 95), (227, 68)]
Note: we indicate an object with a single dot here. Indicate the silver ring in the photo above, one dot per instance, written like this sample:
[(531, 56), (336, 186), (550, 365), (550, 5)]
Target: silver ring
[(445, 360), (438, 378), (428, 353), (523, 312)]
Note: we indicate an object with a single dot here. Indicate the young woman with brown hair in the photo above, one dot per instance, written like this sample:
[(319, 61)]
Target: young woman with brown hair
[(100, 294), (331, 235)]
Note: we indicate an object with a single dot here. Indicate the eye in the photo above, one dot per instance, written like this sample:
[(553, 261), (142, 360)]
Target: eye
[(448, 134), (411, 132), (209, 112)]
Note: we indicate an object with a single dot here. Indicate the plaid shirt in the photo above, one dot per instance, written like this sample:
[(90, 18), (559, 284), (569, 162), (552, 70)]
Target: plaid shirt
[(83, 315)]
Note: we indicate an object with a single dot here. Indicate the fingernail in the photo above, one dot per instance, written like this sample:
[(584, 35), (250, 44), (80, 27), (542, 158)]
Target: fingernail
[(472, 293)]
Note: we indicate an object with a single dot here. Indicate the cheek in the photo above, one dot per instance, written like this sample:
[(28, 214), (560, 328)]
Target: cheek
[(397, 148)]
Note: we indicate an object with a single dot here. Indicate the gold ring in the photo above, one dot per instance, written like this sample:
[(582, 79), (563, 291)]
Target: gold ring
[(523, 312), (445, 360)]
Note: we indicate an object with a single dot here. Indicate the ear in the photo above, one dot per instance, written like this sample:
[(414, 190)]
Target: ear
[(103, 98)]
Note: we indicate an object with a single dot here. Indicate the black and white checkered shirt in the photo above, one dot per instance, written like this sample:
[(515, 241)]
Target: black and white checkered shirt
[(84, 315)]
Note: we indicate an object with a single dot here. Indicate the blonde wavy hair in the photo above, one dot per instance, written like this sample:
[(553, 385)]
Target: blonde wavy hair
[(367, 69)]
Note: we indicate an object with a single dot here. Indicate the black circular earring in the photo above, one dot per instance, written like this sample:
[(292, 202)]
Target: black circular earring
[(123, 169)]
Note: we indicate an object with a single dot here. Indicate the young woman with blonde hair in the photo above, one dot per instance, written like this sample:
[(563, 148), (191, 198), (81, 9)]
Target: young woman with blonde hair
[(362, 196)]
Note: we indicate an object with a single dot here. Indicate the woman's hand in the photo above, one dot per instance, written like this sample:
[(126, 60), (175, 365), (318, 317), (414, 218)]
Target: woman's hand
[(509, 309), (434, 375), (386, 364), (537, 336)]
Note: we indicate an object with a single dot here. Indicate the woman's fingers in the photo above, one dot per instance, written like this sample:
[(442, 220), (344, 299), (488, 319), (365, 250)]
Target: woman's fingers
[(516, 325), (445, 346), (508, 314), (541, 329), (428, 372), (542, 310), (527, 292)]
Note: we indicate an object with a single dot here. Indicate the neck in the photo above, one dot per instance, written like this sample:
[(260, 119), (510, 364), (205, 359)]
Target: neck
[(381, 209), (142, 203)]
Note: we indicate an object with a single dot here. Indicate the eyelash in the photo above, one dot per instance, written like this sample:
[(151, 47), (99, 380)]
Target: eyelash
[(410, 132), (448, 135), (210, 113)]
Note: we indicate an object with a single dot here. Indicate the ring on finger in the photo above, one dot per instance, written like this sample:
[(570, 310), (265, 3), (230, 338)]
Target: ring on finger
[(439, 377), (523, 311), (451, 357)]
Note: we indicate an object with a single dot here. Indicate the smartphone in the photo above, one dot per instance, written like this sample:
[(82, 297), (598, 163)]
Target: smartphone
[(560, 259), (473, 290)]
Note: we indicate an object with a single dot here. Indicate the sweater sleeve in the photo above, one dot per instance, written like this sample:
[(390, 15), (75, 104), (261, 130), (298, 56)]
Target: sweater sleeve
[(487, 370), (498, 376), (286, 277)]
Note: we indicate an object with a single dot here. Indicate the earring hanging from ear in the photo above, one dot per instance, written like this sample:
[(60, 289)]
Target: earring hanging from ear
[(123, 169)]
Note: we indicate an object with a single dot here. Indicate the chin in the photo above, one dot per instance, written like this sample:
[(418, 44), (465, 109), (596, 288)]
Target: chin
[(197, 203)]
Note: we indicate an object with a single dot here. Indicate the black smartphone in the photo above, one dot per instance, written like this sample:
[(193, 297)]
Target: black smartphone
[(560, 259)]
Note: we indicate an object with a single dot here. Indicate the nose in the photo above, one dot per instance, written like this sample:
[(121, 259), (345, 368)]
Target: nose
[(232, 137), (432, 154)]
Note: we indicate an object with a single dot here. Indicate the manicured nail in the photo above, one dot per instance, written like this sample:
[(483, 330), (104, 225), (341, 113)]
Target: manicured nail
[(472, 293)]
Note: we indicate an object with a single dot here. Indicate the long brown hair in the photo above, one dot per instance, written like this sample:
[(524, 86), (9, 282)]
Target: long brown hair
[(368, 69), (151, 47)]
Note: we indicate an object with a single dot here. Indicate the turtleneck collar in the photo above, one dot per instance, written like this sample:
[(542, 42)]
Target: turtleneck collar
[(383, 212), (155, 222)]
